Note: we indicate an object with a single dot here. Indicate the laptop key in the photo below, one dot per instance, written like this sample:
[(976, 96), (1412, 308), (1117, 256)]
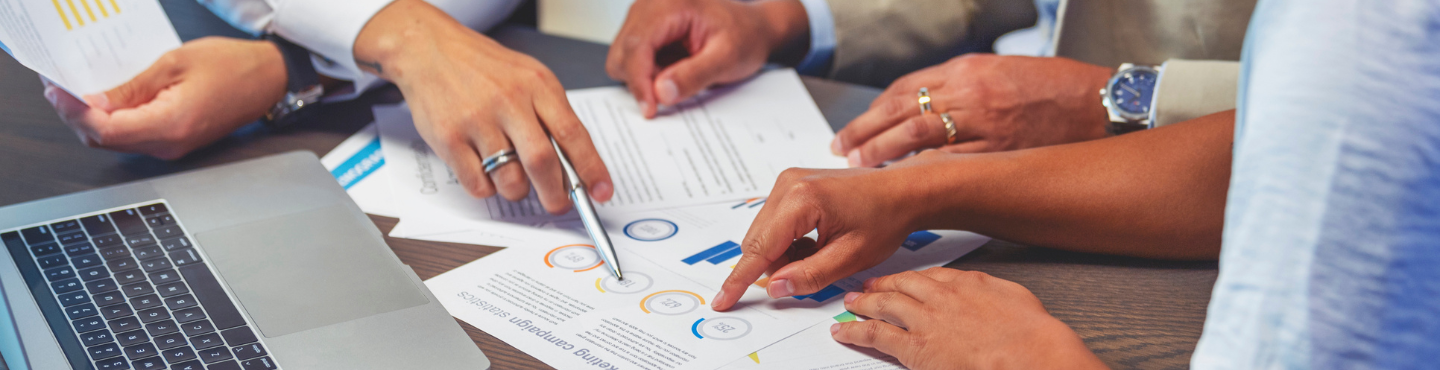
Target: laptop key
[(81, 249), (65, 227), (108, 298), (96, 338), (88, 324), (239, 336), (84, 310), (172, 289), (213, 355), (248, 351), (45, 249), (197, 328), (86, 261), (262, 363), (227, 365), (208, 291), (188, 314), (97, 225), (59, 273), (142, 350), (139, 240), (137, 289), (154, 209), (124, 325), (153, 363), (71, 238), (117, 363), (51, 261), (94, 273), (116, 311), (209, 341), (160, 221), (176, 243), (180, 301), (101, 286), (182, 354), (131, 338), (129, 222), (146, 302), (114, 252), (128, 277), (169, 341), (38, 235), (185, 256), (188, 365), (153, 315), (74, 298), (164, 277), (66, 286), (108, 241), (156, 264), (161, 328), (168, 232), (104, 351), (145, 252), (122, 264)]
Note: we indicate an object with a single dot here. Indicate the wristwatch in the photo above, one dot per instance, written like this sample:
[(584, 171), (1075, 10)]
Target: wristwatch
[(1129, 96), (302, 86)]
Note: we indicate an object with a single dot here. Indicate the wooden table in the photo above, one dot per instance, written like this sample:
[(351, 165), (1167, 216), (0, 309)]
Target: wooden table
[(1134, 313)]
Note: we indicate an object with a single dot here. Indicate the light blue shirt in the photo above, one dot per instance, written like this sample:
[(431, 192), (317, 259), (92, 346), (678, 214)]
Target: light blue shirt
[(822, 38), (1331, 248)]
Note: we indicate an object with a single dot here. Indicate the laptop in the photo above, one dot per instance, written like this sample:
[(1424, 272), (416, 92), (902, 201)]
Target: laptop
[(263, 264)]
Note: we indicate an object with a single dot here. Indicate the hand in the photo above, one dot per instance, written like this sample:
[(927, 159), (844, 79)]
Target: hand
[(472, 97), (943, 318), (190, 97), (998, 103), (862, 216), (726, 41)]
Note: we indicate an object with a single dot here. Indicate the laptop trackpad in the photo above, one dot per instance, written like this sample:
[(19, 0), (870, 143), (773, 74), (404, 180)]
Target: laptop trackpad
[(309, 269)]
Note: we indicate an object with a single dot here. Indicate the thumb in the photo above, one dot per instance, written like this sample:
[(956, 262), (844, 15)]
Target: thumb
[(687, 77), (139, 90)]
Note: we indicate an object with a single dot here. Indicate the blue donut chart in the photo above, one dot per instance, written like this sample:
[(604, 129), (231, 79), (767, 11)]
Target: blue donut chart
[(630, 230)]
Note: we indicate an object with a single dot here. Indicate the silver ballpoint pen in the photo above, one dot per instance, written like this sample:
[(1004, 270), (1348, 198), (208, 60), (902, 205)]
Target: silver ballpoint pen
[(586, 209)]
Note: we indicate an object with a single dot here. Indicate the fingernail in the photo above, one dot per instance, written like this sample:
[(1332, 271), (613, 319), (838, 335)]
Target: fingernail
[(834, 328), (602, 191), (854, 158), (715, 303), (869, 283), (645, 108), (850, 297), (781, 288), (835, 146), (98, 101), (667, 91)]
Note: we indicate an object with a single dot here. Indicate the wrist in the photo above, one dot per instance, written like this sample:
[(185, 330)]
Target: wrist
[(787, 30), (271, 68), (402, 32), (927, 194)]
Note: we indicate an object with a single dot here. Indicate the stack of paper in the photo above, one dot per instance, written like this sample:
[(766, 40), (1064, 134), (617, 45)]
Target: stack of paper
[(688, 184)]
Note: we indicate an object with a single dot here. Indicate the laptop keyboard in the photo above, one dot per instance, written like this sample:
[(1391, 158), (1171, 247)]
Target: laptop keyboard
[(132, 293)]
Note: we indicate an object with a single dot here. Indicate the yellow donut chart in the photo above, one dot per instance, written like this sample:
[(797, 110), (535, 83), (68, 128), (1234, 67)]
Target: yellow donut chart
[(576, 257), (644, 302)]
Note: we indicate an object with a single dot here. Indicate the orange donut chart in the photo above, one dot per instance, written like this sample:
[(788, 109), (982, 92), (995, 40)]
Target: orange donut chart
[(552, 251), (642, 301)]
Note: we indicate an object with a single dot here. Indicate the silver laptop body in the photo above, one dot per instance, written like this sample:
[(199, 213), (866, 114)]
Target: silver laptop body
[(306, 271)]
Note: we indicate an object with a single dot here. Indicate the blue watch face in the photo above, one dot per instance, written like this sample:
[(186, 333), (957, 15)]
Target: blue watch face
[(1133, 90)]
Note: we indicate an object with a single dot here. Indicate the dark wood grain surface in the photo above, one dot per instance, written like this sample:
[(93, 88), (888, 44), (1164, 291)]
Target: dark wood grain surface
[(1135, 313)]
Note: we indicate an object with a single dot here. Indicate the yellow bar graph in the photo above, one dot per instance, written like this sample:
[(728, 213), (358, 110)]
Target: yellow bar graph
[(76, 11), (88, 11), (114, 5), (61, 11), (101, 5)]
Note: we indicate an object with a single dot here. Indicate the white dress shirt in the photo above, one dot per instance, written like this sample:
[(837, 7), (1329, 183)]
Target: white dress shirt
[(328, 28)]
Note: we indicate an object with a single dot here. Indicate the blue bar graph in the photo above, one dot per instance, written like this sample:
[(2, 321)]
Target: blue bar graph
[(823, 294), (716, 254), (919, 239)]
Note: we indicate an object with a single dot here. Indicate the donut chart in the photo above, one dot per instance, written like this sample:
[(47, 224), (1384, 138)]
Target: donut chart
[(671, 302), (574, 257)]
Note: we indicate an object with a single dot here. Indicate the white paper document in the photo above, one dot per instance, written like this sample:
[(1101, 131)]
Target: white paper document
[(674, 260), (731, 144), (815, 349), (359, 165), (86, 46)]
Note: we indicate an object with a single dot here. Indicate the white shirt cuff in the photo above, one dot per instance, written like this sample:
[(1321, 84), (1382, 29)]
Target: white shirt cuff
[(327, 28), (822, 37)]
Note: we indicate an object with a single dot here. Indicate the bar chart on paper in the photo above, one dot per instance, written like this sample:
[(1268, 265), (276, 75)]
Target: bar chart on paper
[(86, 46)]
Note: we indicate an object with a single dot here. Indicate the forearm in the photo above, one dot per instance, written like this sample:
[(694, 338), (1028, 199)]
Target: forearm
[(1158, 193), (406, 30)]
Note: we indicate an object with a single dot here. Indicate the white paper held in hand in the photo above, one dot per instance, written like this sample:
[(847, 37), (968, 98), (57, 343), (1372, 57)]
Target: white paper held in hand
[(86, 46)]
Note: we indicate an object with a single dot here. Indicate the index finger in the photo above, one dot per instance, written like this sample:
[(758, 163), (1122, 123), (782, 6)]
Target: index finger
[(556, 114), (770, 235), (632, 61)]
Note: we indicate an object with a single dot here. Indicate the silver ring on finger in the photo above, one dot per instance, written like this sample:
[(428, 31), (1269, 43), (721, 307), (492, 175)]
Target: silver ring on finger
[(924, 100), (949, 128), (499, 159)]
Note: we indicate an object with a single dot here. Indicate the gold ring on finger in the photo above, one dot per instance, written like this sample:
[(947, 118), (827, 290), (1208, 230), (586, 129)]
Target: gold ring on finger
[(924, 100), (949, 128)]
